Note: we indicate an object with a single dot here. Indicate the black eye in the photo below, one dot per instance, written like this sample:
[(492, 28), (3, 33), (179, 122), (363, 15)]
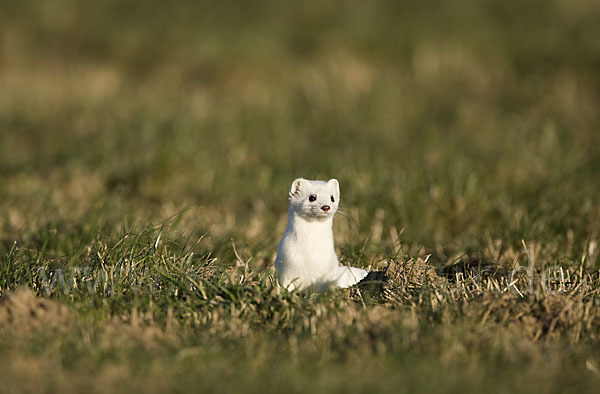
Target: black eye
[(332, 199), (312, 197)]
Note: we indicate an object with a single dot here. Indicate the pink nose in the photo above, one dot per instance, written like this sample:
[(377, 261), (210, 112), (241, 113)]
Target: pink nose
[(326, 208)]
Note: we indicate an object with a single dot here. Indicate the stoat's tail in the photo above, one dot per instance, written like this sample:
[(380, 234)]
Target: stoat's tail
[(348, 276)]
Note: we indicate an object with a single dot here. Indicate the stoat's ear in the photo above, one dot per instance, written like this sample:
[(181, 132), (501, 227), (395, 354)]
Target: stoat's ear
[(297, 187), (333, 183)]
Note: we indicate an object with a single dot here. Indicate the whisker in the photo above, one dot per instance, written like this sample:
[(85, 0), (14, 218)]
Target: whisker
[(343, 213)]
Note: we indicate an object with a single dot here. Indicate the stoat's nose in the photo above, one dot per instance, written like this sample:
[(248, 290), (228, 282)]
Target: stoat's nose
[(326, 208)]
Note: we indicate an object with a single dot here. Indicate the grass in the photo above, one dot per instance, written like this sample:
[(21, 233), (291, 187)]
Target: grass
[(145, 157)]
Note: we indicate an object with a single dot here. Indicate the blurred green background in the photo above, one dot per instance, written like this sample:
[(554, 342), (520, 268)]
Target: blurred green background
[(457, 119), (459, 127)]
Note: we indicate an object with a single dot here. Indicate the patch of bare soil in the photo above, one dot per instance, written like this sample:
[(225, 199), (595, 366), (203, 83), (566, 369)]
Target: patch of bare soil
[(22, 311), (412, 273), (399, 279), (405, 279)]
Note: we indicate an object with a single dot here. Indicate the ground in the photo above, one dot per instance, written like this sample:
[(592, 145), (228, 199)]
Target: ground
[(146, 152)]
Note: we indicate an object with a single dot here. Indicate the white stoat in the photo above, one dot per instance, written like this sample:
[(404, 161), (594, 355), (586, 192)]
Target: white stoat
[(305, 256)]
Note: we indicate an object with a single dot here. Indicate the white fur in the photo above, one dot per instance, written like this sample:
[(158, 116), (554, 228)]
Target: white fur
[(306, 256)]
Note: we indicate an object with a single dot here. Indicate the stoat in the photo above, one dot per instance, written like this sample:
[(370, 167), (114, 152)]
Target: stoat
[(305, 256)]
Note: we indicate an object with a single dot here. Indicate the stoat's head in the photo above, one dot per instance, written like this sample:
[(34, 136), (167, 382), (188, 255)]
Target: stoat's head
[(314, 199)]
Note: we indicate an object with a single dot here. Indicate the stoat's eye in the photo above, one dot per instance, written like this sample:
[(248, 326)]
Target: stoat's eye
[(332, 199), (312, 197)]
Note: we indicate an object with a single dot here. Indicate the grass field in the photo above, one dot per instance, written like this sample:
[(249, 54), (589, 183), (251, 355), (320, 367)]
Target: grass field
[(146, 152)]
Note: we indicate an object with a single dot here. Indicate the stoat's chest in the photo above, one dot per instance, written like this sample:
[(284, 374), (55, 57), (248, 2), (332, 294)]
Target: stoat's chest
[(307, 249), (313, 240)]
